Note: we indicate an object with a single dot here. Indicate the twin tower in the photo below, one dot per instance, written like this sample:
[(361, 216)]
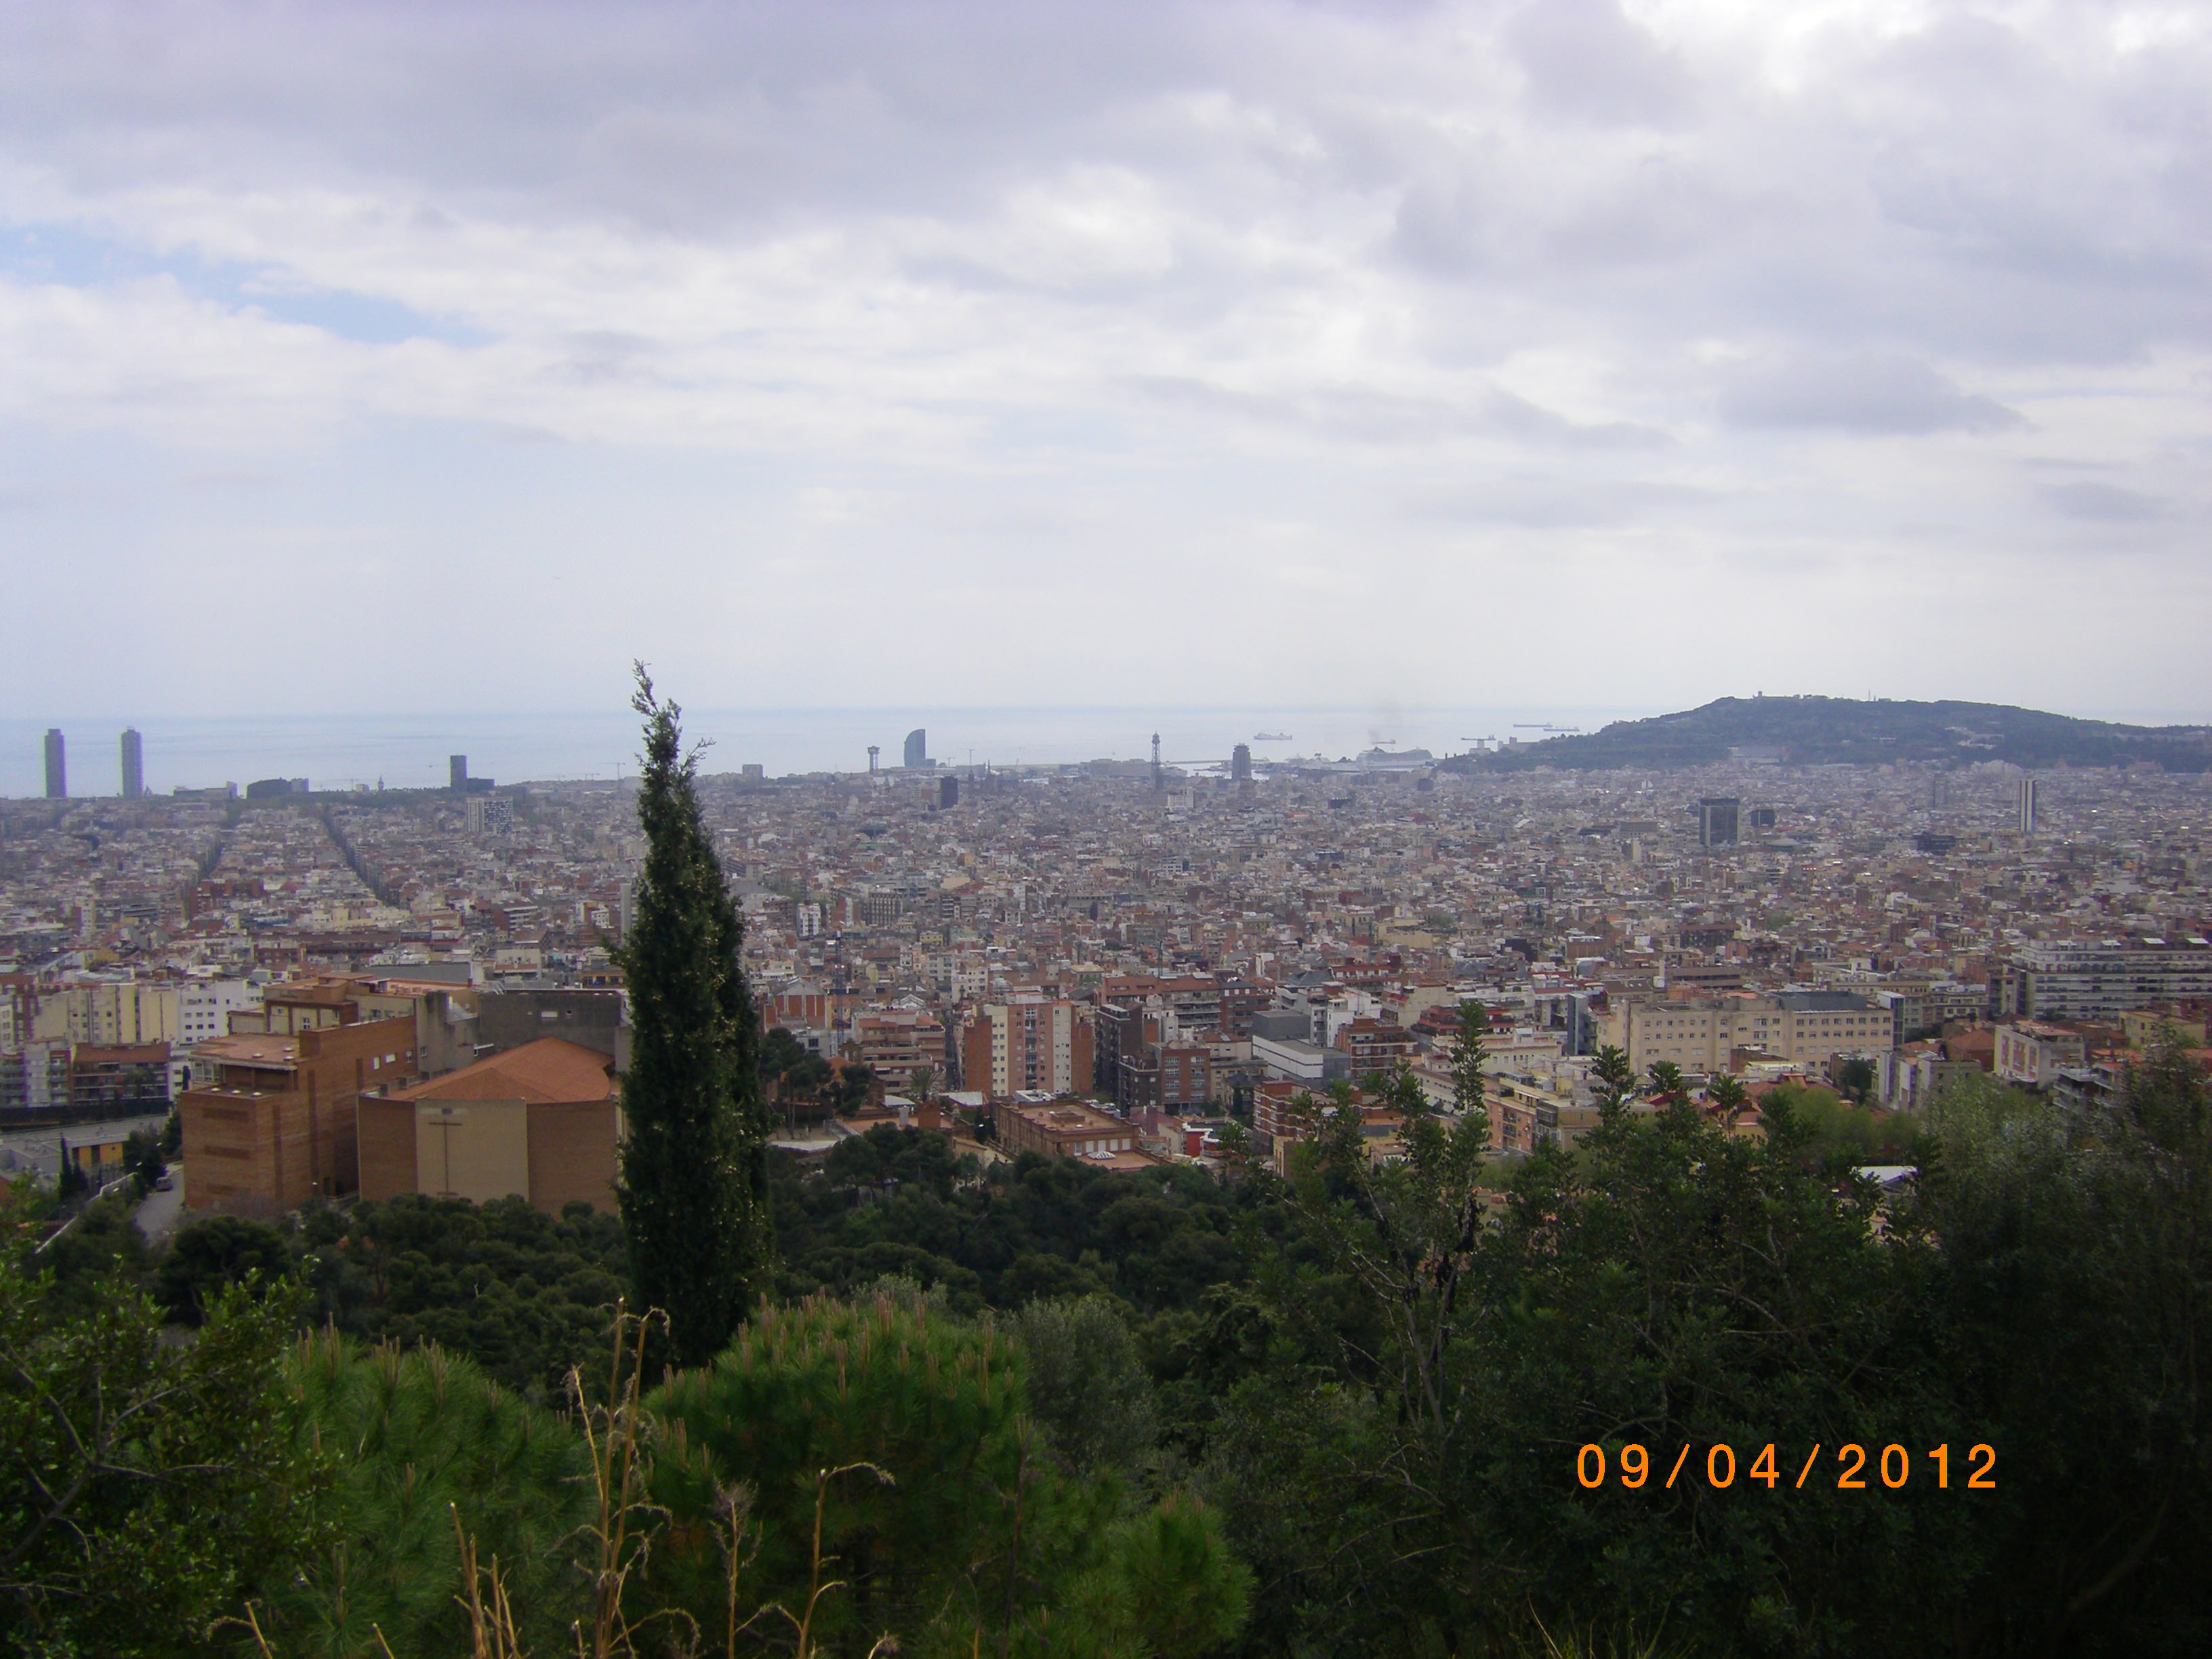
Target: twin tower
[(134, 765)]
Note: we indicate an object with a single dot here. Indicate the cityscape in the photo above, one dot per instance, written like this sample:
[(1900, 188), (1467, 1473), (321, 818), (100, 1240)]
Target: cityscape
[(1309, 831), (1196, 943)]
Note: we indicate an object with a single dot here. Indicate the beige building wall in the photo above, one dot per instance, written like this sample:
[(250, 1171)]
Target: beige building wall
[(108, 1016), (1697, 1037), (478, 1150)]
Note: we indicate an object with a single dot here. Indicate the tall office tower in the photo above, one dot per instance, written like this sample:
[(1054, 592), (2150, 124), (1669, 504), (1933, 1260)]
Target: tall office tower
[(1716, 816), (1159, 779), (57, 766), (948, 792), (134, 765), (2028, 804), (1939, 790), (917, 747), (1240, 763), (456, 772)]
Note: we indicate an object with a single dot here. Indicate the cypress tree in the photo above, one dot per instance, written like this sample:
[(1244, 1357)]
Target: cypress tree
[(693, 1192)]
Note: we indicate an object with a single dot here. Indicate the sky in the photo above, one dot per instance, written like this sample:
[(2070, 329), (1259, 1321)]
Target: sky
[(366, 358)]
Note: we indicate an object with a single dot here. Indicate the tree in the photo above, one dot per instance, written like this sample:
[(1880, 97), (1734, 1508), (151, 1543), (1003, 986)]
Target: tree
[(693, 1192), (1085, 1386), (434, 1452), (1467, 1059), (1663, 1083), (900, 1439), (146, 1490), (214, 1254), (1728, 1098), (922, 1080), (1612, 1078)]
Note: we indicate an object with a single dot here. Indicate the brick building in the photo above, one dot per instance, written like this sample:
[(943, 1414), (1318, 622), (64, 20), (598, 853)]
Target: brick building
[(1068, 1128), (271, 1119), (543, 1121)]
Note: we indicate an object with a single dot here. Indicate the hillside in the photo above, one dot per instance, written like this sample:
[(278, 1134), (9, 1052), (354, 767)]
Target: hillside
[(1832, 731)]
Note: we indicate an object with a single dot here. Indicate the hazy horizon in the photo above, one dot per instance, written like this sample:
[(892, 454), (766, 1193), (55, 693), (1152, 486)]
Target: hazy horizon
[(409, 750)]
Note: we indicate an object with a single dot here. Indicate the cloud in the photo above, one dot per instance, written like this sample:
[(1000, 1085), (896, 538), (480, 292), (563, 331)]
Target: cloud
[(1003, 308), (1868, 392), (2103, 503)]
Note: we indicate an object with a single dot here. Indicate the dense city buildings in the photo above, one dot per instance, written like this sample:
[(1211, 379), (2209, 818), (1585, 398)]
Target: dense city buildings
[(1164, 947)]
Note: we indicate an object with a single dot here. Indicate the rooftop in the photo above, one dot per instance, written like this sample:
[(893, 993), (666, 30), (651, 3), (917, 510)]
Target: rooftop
[(549, 1071)]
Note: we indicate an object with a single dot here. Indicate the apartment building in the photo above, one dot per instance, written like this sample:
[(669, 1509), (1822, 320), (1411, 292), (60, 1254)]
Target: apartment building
[(2033, 1051), (109, 1014), (2081, 980), (896, 1041), (1027, 1044), (1802, 1027)]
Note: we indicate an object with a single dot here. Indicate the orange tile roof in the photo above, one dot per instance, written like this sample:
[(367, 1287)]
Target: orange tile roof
[(550, 1070)]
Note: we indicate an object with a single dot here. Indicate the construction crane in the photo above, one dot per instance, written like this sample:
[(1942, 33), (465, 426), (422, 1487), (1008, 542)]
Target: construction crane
[(1531, 726)]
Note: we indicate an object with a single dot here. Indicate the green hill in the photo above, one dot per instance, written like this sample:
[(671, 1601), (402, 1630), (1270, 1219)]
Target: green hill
[(1842, 731)]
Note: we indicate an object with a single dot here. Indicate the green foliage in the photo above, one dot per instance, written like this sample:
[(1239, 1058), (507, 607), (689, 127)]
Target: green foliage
[(1834, 1134), (1167, 1583), (145, 1490), (430, 1442), (1855, 1079), (693, 1192), (1087, 1389), (1467, 1061), (970, 1521), (524, 1295), (2076, 1257), (214, 1253), (104, 1240)]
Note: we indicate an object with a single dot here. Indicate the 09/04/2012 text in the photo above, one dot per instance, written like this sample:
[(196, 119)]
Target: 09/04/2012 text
[(1892, 1467)]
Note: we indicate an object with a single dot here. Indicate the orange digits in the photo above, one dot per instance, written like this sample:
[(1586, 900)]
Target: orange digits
[(1582, 1466), (1635, 1464), (1712, 1472), (1904, 1466), (1849, 1481), (1762, 1467)]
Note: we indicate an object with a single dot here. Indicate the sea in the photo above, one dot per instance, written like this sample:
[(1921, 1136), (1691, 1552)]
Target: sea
[(412, 750)]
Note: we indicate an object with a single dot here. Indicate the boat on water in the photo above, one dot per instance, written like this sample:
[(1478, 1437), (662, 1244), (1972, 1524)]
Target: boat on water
[(1271, 737)]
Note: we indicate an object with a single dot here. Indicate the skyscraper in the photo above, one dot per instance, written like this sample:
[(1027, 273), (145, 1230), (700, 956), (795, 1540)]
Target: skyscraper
[(917, 747), (1240, 763), (57, 766), (134, 765), (2028, 805), (1717, 821), (457, 773)]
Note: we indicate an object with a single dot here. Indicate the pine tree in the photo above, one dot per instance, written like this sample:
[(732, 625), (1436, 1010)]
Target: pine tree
[(693, 1194)]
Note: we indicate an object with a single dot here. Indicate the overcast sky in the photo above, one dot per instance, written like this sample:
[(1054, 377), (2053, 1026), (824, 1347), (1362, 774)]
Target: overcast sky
[(361, 357)]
